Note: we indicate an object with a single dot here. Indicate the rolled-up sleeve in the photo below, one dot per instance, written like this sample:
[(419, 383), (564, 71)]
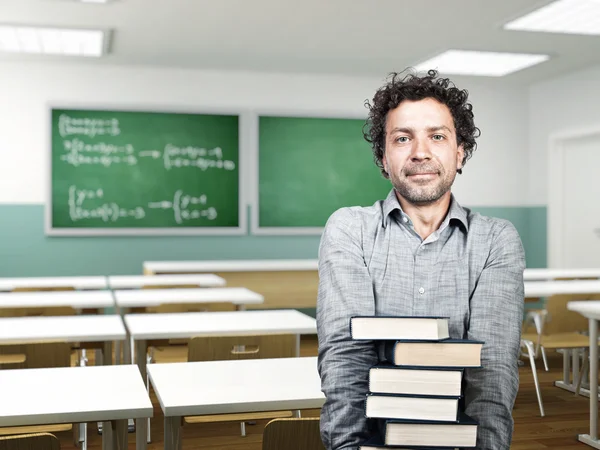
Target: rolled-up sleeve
[(345, 290), (496, 314)]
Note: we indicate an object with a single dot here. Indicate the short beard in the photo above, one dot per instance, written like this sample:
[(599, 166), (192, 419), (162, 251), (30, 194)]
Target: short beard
[(424, 195)]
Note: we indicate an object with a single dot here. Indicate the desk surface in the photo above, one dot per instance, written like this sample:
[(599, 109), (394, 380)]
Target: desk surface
[(72, 394), (74, 299), (96, 282), (86, 328), (589, 309), (549, 274), (216, 387), (235, 323), (139, 281), (231, 266), (154, 297), (546, 288)]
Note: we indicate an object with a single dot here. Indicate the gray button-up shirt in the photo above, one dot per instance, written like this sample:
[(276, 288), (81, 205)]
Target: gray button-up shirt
[(372, 262)]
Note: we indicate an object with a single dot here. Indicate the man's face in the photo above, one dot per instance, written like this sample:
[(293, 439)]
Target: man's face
[(421, 152)]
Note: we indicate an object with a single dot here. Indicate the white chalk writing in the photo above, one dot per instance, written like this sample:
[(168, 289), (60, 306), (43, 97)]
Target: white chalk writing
[(86, 126), (185, 207)]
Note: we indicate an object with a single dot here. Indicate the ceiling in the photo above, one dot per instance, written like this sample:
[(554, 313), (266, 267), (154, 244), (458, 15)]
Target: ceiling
[(349, 37)]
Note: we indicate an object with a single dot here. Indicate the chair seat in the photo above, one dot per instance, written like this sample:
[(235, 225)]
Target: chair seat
[(54, 428), (560, 340), (17, 358), (241, 417)]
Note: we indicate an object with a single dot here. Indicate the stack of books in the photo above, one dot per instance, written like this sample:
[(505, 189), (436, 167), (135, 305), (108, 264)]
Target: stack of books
[(415, 392)]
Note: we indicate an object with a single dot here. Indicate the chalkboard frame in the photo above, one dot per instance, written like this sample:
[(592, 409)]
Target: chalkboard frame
[(243, 152), (255, 227)]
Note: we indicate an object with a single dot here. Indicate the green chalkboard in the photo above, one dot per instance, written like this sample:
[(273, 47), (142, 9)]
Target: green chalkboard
[(140, 172), (308, 167)]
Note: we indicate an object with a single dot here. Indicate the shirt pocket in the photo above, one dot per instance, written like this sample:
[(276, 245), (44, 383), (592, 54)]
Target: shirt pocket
[(451, 284)]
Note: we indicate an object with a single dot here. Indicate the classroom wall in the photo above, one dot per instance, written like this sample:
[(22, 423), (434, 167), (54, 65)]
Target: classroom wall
[(491, 183), (558, 105)]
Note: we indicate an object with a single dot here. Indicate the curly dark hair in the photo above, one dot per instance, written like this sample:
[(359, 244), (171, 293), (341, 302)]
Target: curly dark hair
[(414, 87)]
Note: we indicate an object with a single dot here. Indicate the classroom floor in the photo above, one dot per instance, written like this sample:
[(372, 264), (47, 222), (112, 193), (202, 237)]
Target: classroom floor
[(566, 416)]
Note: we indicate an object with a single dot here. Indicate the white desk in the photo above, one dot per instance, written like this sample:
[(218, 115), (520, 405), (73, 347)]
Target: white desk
[(149, 327), (251, 265), (591, 310), (73, 395), (79, 300), (216, 387), (8, 284), (155, 297), (549, 274), (547, 288), (139, 281), (90, 328), (72, 329)]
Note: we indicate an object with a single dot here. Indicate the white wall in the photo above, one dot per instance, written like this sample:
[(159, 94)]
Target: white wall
[(496, 176), (567, 103)]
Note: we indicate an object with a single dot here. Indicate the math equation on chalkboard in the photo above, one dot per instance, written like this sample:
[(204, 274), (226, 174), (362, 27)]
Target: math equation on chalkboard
[(119, 170)]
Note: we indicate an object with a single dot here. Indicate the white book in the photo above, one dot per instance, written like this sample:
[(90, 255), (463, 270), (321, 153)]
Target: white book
[(399, 328)]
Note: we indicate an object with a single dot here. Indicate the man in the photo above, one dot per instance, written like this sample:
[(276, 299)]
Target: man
[(419, 253)]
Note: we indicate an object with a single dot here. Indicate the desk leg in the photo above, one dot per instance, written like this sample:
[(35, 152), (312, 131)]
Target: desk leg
[(173, 433), (141, 348), (109, 436), (297, 346), (121, 434), (592, 438), (140, 434)]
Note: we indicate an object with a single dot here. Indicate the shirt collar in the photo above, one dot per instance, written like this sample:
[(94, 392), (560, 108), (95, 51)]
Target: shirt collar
[(391, 204)]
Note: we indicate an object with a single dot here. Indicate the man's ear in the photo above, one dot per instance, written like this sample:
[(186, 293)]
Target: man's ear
[(384, 161), (460, 157)]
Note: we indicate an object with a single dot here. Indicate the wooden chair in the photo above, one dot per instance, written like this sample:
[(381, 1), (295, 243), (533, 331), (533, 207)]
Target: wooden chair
[(562, 330), (34, 356), (32, 441), (176, 308), (221, 348), (293, 434)]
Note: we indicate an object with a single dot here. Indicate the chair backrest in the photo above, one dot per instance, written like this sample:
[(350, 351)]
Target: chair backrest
[(293, 434), (560, 320), (190, 307), (35, 356), (36, 312), (186, 307), (220, 348), (33, 441), (43, 289)]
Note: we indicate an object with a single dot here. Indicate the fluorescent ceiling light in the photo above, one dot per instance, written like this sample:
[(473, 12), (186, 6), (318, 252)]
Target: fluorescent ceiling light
[(562, 16), (51, 41), (491, 64)]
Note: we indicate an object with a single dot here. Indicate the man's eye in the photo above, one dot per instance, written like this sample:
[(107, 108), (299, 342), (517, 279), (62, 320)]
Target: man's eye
[(438, 137), (402, 139)]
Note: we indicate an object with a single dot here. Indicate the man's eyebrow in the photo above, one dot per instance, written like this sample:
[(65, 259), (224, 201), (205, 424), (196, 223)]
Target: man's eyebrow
[(402, 130), (438, 128), (410, 130)]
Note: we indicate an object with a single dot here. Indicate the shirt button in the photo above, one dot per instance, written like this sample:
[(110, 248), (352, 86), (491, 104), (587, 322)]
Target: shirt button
[(421, 290), (405, 219)]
